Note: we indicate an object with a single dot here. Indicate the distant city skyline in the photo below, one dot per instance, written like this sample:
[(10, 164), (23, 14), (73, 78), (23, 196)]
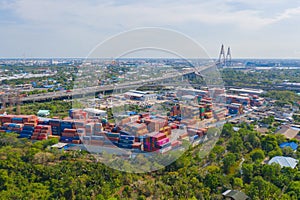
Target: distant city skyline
[(49, 28)]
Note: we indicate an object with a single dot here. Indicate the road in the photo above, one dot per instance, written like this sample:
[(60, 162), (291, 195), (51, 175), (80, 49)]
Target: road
[(92, 90)]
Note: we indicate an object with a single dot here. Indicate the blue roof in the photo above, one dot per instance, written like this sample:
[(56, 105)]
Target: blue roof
[(293, 145)]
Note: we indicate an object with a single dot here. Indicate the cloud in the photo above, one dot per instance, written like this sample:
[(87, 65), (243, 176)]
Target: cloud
[(68, 23), (134, 14)]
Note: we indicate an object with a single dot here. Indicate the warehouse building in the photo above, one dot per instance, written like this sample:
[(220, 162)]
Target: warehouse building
[(92, 112), (248, 91), (140, 95)]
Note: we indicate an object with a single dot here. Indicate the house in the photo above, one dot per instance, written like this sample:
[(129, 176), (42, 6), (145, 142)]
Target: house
[(284, 161), (234, 195), (288, 132), (292, 145)]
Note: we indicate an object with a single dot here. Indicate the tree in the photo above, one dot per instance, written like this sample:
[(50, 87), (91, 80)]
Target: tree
[(227, 130), (270, 172), (237, 183), (294, 189), (257, 155), (275, 152), (254, 140), (269, 143), (228, 161), (261, 189), (247, 172), (288, 151), (235, 144), (268, 120)]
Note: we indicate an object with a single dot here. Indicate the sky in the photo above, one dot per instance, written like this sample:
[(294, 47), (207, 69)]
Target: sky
[(72, 28)]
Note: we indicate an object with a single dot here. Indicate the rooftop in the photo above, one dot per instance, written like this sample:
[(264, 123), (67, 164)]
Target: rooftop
[(244, 90), (288, 132), (235, 194), (284, 161), (292, 145)]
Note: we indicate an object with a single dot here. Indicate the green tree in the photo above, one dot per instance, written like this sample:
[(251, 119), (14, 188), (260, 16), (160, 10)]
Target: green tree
[(257, 155), (228, 161), (247, 172)]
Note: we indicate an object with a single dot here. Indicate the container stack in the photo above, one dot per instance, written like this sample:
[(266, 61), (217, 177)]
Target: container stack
[(192, 131), (136, 129), (27, 130), (6, 119), (43, 122), (173, 125), (137, 145), (126, 141), (175, 111), (12, 127), (86, 140), (79, 124), (33, 120), (166, 130), (201, 111), (66, 124), (68, 135), (94, 140), (208, 115), (41, 132), (199, 98), (104, 121), (134, 118), (98, 129), (89, 129), (206, 100), (237, 99), (55, 126), (150, 142), (209, 107), (188, 122), (125, 121), (17, 120), (80, 132), (163, 143), (235, 109), (78, 114), (154, 125), (113, 137), (190, 112), (220, 113), (144, 115)]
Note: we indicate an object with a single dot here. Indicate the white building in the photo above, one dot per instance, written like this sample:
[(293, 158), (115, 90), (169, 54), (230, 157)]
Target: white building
[(95, 112), (284, 161)]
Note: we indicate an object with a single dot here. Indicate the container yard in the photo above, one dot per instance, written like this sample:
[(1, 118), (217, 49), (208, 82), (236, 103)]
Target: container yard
[(145, 131)]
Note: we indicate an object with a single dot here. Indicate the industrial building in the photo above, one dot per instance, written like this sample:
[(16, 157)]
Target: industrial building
[(95, 112), (140, 95), (248, 91)]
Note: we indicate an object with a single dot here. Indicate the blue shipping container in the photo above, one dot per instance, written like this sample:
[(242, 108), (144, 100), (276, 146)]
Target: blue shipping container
[(126, 141), (127, 137), (29, 128)]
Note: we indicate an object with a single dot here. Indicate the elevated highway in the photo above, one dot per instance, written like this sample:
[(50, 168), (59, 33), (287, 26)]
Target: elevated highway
[(77, 93)]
